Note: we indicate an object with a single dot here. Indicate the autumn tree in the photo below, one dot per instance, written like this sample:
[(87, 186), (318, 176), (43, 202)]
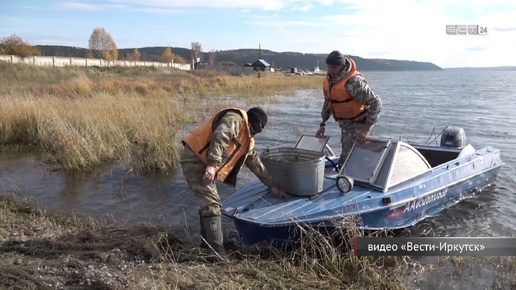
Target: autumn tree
[(14, 45), (89, 53), (102, 45), (111, 54), (114, 52), (179, 59), (135, 55), (167, 55), (196, 52), (211, 57)]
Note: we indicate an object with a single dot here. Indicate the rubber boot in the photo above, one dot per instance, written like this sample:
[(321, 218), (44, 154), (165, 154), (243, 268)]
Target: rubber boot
[(203, 244), (214, 236)]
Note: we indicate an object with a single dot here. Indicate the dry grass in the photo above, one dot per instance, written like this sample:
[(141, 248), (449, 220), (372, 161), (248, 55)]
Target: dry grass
[(329, 258), (39, 250), (85, 117), (64, 252)]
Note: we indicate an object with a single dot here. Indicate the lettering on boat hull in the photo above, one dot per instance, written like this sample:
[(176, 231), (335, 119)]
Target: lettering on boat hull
[(422, 201)]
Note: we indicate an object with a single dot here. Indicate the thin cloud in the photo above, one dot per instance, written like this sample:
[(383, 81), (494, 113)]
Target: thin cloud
[(265, 5), (223, 4), (286, 23), (50, 39), (476, 48), (89, 7), (305, 8), (120, 7), (161, 11), (508, 29)]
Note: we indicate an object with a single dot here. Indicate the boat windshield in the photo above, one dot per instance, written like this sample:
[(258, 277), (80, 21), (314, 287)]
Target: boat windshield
[(381, 164)]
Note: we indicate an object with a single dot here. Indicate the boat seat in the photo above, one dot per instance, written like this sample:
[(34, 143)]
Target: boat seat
[(468, 150)]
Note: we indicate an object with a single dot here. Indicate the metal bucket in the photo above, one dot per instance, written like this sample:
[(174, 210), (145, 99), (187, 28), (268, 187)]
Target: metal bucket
[(297, 171)]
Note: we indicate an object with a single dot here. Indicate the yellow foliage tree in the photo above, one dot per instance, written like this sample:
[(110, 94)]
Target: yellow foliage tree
[(135, 55), (114, 51), (89, 53), (14, 45), (112, 54), (179, 59), (102, 45), (167, 55)]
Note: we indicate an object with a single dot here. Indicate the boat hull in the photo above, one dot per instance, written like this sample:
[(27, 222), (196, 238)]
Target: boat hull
[(258, 217), (403, 216)]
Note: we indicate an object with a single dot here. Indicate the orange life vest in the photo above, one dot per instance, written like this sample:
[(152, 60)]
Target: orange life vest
[(200, 138), (342, 106)]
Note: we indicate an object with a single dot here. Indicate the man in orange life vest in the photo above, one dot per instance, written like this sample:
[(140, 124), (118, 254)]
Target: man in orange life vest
[(350, 100), (217, 149)]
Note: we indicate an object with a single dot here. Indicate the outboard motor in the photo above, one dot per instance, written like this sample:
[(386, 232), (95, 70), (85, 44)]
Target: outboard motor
[(453, 137)]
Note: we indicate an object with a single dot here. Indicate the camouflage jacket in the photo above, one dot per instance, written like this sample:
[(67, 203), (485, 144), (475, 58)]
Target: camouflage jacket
[(227, 128), (359, 90)]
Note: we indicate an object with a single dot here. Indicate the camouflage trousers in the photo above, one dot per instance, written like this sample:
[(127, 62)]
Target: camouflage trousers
[(348, 136), (206, 196)]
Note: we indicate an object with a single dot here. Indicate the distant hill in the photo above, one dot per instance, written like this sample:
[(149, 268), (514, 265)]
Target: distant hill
[(285, 60), (496, 68), (309, 61)]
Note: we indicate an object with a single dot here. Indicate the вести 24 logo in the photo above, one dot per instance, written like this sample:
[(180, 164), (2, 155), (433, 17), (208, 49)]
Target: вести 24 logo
[(466, 30)]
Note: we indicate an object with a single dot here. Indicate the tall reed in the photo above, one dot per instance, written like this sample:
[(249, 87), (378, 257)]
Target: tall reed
[(82, 118)]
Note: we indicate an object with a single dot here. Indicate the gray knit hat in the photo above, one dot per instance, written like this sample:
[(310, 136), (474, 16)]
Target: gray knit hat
[(335, 58)]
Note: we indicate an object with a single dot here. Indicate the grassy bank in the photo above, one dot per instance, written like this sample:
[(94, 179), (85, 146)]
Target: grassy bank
[(84, 117), (39, 250)]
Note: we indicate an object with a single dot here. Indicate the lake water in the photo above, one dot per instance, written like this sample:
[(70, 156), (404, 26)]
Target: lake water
[(414, 103)]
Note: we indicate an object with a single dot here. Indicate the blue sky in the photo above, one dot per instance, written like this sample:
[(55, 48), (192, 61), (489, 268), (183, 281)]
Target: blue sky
[(404, 29)]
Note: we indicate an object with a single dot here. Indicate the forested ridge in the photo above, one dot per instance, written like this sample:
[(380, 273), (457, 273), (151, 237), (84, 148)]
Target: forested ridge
[(283, 60)]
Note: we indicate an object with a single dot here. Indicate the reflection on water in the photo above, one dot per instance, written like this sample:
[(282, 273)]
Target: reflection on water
[(413, 104), (131, 198)]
